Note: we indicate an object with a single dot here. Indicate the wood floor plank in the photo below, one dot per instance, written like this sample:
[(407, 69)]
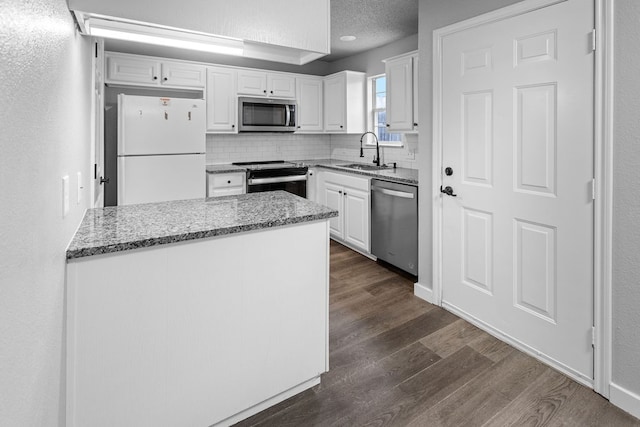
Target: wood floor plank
[(537, 403), (421, 391), (481, 398), (452, 338), (392, 340), (491, 347), (392, 312), (589, 409)]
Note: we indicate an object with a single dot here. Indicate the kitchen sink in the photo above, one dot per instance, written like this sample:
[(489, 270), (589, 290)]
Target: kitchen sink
[(364, 167)]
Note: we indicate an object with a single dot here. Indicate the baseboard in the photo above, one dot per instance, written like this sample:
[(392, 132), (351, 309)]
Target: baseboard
[(624, 399), (571, 373), (423, 292)]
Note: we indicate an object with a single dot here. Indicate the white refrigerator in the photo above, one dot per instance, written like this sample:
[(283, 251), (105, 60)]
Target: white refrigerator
[(161, 149)]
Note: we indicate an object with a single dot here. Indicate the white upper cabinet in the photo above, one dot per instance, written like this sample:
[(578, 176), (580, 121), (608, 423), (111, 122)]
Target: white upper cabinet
[(344, 102), (309, 91), (140, 71), (221, 100), (402, 83), (183, 74), (260, 83), (281, 85)]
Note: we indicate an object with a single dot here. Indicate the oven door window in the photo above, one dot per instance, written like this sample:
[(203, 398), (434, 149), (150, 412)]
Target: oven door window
[(258, 114)]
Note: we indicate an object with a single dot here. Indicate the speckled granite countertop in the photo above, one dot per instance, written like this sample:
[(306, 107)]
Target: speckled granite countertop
[(121, 228), (402, 175), (225, 168)]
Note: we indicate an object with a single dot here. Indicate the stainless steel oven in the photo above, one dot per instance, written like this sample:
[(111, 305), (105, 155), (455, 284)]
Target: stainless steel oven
[(276, 175)]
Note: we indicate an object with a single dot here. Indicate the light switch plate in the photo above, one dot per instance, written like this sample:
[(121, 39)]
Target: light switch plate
[(65, 195)]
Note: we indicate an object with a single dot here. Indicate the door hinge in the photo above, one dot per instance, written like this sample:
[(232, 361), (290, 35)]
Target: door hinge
[(593, 189), (593, 40), (593, 336)]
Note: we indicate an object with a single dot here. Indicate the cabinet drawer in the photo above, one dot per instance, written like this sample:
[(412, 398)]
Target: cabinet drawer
[(228, 180), (225, 184)]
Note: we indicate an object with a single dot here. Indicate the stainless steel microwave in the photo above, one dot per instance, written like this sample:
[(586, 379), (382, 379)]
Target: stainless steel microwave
[(266, 115)]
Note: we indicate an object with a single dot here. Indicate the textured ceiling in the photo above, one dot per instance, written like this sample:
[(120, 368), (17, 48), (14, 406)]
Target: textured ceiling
[(374, 23)]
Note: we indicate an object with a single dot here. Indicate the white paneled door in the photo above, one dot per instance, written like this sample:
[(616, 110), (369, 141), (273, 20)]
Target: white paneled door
[(517, 135)]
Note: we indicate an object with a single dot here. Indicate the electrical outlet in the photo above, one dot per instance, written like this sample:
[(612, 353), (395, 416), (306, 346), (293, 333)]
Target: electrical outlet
[(411, 154), (80, 187), (65, 195)]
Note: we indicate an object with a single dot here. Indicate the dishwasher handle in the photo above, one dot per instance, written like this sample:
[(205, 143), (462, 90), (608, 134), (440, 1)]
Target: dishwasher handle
[(394, 193)]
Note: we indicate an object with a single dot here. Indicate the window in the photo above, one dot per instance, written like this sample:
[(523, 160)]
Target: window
[(378, 115)]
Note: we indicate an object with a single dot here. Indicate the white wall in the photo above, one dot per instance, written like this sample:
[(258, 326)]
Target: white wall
[(626, 200), (45, 115), (434, 14)]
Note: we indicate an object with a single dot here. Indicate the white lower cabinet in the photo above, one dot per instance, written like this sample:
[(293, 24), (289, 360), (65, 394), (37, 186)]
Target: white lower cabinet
[(225, 184), (350, 196)]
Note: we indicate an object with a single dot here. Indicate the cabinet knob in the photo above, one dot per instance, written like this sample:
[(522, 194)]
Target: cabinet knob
[(388, 125), (415, 124), (341, 126), (233, 126), (229, 182), (272, 92), (165, 79), (265, 91), (340, 192), (155, 77)]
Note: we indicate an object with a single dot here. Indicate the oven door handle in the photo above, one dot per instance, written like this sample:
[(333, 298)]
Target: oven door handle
[(293, 178)]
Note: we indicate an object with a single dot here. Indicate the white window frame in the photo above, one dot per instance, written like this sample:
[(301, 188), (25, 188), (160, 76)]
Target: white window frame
[(371, 115)]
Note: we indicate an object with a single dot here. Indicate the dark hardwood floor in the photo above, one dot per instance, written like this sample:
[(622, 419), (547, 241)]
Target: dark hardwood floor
[(398, 361)]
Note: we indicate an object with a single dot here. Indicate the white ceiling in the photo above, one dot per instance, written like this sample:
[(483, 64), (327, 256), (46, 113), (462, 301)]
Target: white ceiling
[(374, 23)]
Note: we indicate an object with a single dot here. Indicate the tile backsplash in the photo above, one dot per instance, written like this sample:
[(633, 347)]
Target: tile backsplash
[(222, 148), (230, 148)]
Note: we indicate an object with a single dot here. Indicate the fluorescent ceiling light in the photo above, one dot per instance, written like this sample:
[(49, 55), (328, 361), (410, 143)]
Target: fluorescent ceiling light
[(163, 36)]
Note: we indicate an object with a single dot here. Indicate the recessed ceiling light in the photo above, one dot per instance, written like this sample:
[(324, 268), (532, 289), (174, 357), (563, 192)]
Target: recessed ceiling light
[(347, 38)]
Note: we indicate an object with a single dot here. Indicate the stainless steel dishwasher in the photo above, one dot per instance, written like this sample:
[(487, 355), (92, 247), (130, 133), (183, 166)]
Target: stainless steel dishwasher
[(394, 224)]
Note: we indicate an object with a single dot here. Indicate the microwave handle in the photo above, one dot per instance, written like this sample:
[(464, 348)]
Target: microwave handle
[(288, 116)]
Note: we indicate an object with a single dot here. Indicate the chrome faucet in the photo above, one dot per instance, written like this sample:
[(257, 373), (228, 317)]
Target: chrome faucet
[(377, 159)]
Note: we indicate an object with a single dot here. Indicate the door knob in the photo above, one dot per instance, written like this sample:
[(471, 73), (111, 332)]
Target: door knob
[(448, 191)]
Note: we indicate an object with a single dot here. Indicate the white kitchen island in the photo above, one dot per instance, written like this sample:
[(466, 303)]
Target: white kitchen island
[(196, 313)]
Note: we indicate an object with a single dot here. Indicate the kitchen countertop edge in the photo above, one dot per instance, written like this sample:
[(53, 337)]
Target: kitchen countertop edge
[(400, 175), (78, 249)]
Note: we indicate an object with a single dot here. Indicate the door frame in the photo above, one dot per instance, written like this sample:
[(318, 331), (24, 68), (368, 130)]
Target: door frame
[(603, 175)]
